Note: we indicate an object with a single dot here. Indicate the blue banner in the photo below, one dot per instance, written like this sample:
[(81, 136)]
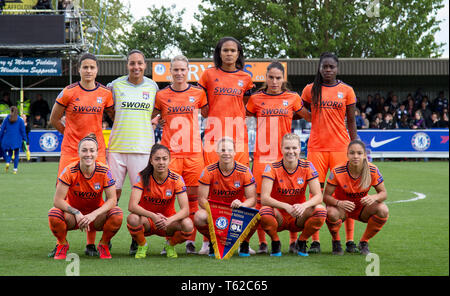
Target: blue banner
[(30, 66), (406, 140), (45, 142)]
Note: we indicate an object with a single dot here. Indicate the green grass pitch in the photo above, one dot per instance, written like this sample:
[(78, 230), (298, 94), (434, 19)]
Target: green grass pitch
[(414, 242)]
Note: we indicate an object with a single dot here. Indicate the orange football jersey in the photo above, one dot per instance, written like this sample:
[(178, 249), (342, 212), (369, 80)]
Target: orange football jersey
[(227, 188), (274, 119), (328, 129), (290, 187), (84, 115), (347, 187), (160, 198), (225, 92), (180, 109), (85, 194)]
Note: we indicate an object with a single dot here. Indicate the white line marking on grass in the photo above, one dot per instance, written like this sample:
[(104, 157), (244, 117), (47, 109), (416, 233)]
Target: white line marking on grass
[(418, 197)]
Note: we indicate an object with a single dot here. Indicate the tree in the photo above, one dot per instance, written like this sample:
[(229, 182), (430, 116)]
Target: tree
[(158, 35), (110, 17), (304, 29)]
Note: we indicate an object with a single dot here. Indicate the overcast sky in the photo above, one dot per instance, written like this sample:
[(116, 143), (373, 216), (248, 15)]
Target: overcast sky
[(139, 9)]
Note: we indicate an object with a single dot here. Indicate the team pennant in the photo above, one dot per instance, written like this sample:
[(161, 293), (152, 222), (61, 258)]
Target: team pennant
[(228, 227)]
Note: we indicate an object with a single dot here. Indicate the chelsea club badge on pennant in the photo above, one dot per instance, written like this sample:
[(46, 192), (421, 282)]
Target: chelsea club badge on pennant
[(229, 227)]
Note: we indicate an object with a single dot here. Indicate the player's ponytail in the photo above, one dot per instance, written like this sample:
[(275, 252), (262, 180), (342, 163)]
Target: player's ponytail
[(316, 90), (366, 179), (148, 171)]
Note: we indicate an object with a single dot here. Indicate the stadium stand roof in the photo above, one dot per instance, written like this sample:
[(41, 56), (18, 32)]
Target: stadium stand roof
[(300, 67)]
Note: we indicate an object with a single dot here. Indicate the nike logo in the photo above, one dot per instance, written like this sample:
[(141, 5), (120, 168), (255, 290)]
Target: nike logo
[(376, 144)]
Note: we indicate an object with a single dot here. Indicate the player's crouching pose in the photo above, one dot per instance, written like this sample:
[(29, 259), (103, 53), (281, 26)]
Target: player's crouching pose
[(152, 205), (78, 200), (346, 196), (227, 181), (283, 197)]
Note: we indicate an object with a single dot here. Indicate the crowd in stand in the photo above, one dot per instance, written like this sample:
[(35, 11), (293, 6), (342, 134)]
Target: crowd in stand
[(413, 112)]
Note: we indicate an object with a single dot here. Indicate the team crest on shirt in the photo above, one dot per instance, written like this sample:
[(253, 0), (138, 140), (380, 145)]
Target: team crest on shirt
[(168, 192), (237, 184), (241, 83), (97, 186), (145, 95), (285, 103), (191, 99), (300, 181), (340, 95), (99, 100)]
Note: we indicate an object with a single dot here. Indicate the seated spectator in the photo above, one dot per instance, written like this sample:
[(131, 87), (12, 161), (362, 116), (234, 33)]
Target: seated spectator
[(38, 121), (394, 104), (366, 121), (40, 106), (445, 119), (404, 122), (400, 112), (436, 121), (426, 112), (380, 105), (388, 122), (418, 122), (411, 109), (358, 119), (440, 103), (375, 123), (105, 125)]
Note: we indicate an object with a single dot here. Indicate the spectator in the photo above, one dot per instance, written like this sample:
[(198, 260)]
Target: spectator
[(404, 122), (105, 125), (40, 106), (440, 102), (410, 108), (388, 122), (366, 123), (445, 119), (394, 104), (375, 124), (358, 119), (38, 121), (5, 104), (400, 112), (370, 107), (418, 122), (436, 121), (418, 96), (426, 112), (408, 97), (380, 105)]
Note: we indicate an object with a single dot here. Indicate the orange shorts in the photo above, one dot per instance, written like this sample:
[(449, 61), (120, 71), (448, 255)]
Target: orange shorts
[(324, 160), (257, 171), (288, 223), (190, 168), (66, 159)]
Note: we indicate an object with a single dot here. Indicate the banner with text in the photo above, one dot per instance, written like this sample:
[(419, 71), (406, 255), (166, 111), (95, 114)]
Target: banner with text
[(30, 66), (257, 70), (228, 227)]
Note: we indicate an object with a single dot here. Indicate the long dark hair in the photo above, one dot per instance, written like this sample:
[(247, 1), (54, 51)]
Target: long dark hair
[(279, 66), (316, 90), (365, 180), (148, 171), (218, 60)]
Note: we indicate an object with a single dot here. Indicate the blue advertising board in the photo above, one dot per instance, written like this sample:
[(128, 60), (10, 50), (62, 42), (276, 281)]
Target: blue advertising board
[(30, 66), (404, 143)]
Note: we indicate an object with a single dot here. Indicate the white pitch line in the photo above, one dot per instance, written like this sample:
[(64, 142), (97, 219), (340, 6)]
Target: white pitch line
[(418, 197)]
